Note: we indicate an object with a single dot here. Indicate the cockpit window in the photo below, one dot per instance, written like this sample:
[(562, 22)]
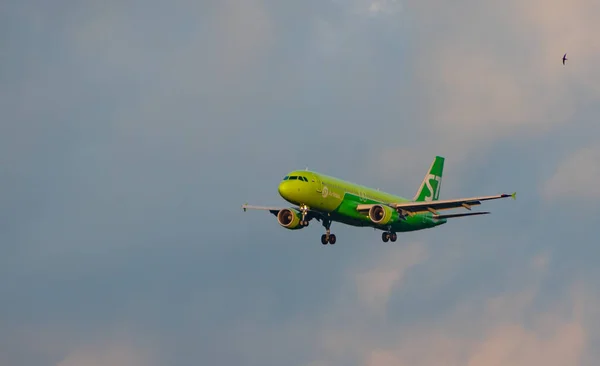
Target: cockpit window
[(296, 177)]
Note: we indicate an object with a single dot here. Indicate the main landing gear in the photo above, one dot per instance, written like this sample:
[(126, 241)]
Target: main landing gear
[(327, 238), (387, 235)]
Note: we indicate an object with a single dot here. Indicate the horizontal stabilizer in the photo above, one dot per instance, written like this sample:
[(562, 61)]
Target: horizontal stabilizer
[(449, 216)]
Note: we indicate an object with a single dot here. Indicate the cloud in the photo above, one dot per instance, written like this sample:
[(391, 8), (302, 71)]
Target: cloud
[(513, 344), (231, 34), (107, 355), (370, 7), (244, 34), (491, 72), (505, 327), (384, 6), (375, 285), (576, 177), (541, 261), (552, 340), (126, 123), (438, 350), (393, 162)]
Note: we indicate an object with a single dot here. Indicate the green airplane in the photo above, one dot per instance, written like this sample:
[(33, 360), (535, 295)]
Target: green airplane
[(329, 199)]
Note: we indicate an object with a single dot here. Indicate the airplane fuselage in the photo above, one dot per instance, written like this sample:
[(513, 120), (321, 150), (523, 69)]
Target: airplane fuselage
[(338, 199)]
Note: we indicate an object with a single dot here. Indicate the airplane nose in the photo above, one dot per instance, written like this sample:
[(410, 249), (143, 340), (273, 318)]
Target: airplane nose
[(284, 189)]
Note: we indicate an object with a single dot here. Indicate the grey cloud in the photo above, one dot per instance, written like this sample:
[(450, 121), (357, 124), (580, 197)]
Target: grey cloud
[(135, 132), (495, 71), (573, 177)]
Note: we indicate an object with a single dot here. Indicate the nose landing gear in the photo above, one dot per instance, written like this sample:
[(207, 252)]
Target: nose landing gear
[(303, 220)]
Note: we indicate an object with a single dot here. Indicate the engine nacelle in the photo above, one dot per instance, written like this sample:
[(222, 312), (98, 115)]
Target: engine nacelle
[(382, 215), (289, 218)]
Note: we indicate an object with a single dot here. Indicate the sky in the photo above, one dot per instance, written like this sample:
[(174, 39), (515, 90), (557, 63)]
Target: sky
[(131, 133)]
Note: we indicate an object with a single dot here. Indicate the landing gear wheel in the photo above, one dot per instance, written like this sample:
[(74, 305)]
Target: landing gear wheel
[(385, 236), (328, 237), (393, 237), (304, 223), (324, 239)]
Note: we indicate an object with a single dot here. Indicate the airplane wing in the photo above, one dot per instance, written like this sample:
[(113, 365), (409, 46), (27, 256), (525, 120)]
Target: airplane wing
[(411, 208), (310, 214), (273, 210)]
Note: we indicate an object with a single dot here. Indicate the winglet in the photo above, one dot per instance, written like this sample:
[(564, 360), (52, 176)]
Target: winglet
[(244, 206), (513, 195)]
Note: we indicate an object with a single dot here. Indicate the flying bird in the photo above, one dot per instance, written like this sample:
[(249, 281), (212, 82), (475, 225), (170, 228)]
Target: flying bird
[(565, 58)]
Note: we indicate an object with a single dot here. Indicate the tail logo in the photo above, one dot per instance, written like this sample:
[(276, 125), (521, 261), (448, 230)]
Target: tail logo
[(433, 193)]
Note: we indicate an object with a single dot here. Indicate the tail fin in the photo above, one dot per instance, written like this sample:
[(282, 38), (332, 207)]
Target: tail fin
[(430, 187)]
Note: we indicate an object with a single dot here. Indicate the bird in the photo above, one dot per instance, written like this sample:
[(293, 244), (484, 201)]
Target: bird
[(565, 58)]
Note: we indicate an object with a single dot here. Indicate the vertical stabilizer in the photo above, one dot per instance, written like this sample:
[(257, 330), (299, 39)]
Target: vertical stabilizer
[(430, 187)]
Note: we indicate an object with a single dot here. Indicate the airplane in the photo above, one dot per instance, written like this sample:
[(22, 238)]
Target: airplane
[(328, 199)]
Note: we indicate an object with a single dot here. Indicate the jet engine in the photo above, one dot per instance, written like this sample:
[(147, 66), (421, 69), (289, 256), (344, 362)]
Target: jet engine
[(289, 218), (382, 215)]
